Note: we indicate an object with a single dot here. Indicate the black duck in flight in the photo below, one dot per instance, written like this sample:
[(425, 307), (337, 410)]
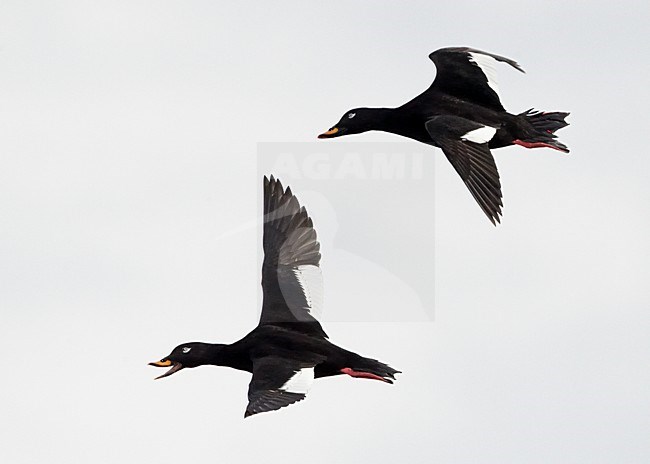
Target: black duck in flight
[(461, 113), (289, 348)]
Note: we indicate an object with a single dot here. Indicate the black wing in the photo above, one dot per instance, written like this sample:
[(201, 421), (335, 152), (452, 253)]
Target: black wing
[(291, 277), (469, 74), (278, 382), (465, 143)]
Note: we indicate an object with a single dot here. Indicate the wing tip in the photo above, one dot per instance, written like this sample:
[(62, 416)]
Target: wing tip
[(281, 203), (273, 185), (272, 400), (468, 50)]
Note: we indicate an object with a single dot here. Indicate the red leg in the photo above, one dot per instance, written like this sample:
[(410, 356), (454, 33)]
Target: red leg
[(363, 375), (534, 144)]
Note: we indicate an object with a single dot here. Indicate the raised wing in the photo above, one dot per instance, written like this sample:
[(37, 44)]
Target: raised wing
[(469, 74), (277, 382), (465, 143), (291, 277)]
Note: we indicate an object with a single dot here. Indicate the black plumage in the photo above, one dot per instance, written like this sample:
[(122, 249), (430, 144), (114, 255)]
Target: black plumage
[(289, 348), (461, 113)]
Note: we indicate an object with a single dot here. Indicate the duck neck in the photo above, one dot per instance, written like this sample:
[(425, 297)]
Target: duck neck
[(228, 356), (217, 354), (395, 121), (382, 119)]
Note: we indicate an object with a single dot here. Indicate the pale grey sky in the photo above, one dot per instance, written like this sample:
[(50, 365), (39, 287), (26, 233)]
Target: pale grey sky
[(128, 147)]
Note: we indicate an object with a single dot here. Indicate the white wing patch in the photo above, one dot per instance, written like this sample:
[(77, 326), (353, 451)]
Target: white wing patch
[(481, 135), (310, 279), (300, 382), (487, 65)]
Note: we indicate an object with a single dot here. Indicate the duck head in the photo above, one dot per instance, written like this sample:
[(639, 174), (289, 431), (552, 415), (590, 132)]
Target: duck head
[(186, 355), (353, 122)]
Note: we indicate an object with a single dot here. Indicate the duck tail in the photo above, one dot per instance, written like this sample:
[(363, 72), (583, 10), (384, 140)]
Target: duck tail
[(545, 125), (371, 369)]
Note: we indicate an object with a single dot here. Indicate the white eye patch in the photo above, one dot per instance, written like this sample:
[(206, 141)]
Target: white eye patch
[(186, 349), (351, 115)]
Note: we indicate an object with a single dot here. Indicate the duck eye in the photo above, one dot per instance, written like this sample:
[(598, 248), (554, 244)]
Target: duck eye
[(351, 115), (186, 349)]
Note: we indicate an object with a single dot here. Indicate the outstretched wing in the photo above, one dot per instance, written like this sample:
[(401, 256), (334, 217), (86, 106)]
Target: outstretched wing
[(465, 143), (277, 382), (469, 74), (291, 277)]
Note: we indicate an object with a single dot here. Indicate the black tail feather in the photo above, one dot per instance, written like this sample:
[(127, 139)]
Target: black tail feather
[(545, 125), (546, 122), (375, 367)]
